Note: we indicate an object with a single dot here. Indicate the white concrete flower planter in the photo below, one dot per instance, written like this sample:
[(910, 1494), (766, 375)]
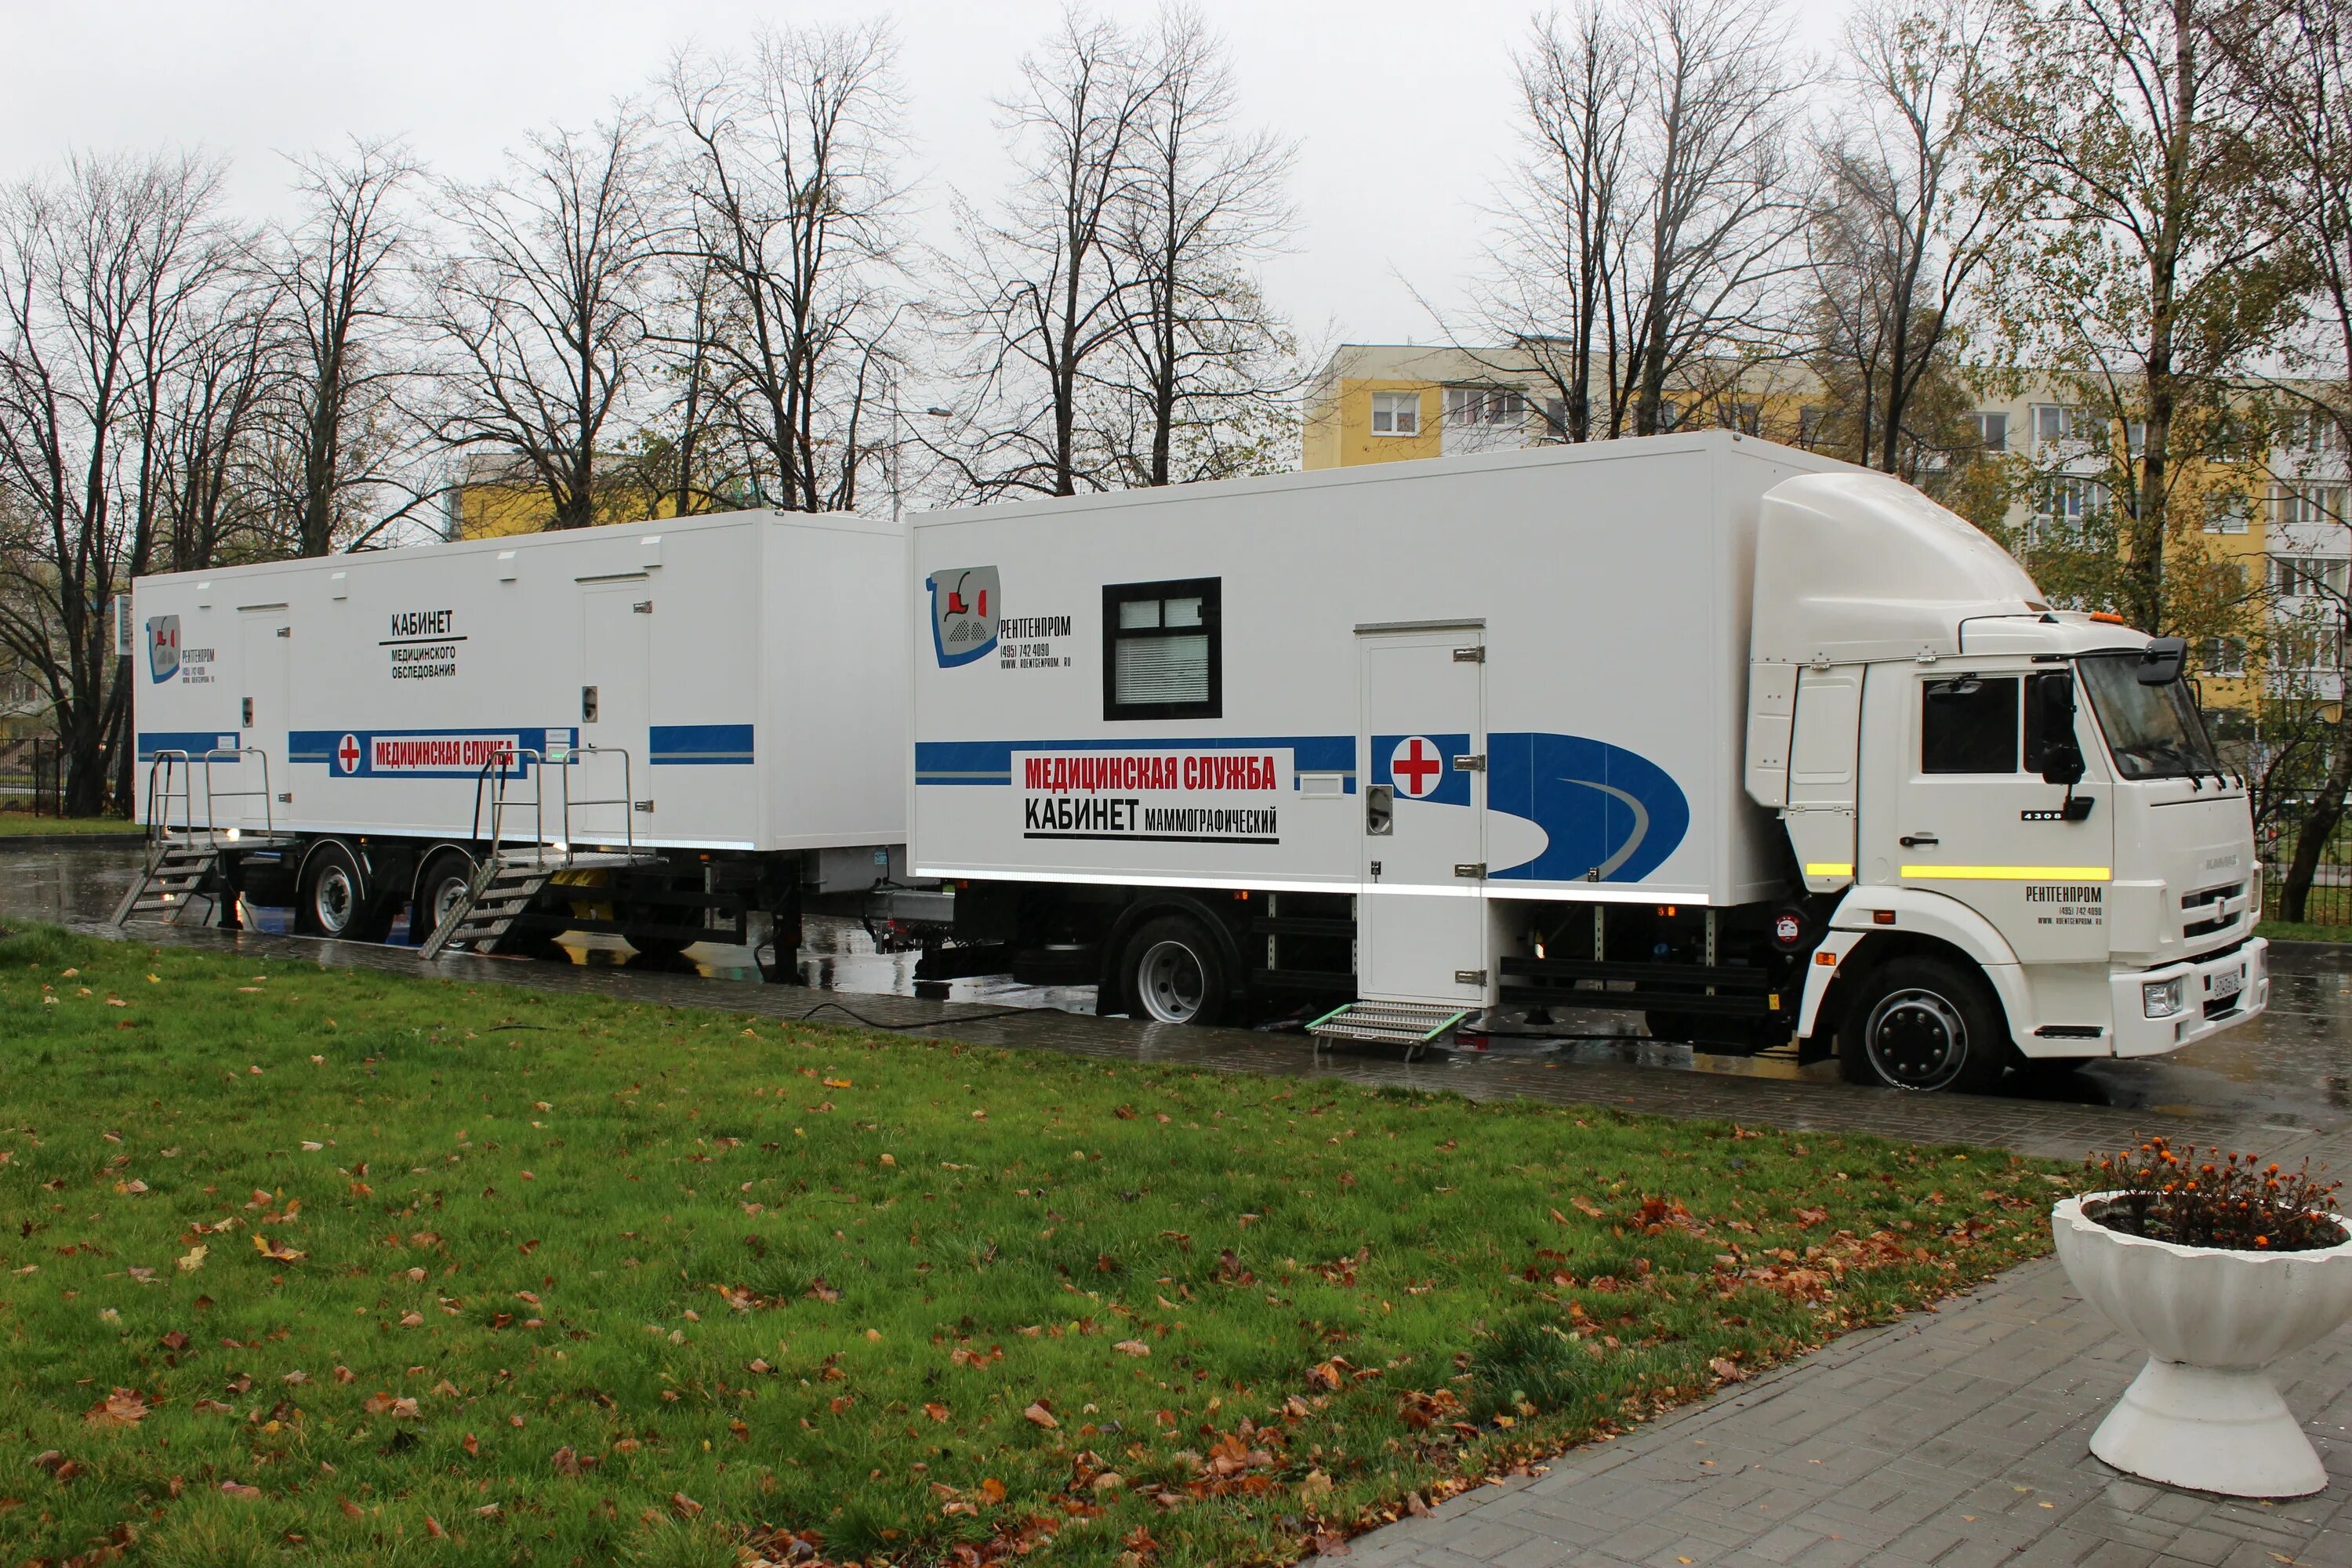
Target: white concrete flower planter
[(2203, 1412)]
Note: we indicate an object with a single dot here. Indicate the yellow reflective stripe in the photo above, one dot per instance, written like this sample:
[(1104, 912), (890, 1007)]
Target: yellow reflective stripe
[(1830, 869), (2010, 873)]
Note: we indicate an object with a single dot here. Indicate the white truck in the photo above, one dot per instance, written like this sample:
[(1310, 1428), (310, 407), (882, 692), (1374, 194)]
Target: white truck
[(1760, 745), (668, 730)]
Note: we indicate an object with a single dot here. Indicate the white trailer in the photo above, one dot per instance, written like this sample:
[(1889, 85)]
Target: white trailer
[(1759, 744), (680, 725)]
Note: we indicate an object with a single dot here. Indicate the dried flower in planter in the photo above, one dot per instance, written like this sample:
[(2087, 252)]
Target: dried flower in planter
[(2227, 1200)]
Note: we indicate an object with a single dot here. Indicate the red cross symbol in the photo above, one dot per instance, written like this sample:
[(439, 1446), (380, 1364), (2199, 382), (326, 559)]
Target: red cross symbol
[(348, 753), (1416, 765)]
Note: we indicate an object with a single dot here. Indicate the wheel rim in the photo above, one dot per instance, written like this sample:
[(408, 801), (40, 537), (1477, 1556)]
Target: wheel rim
[(333, 900), (1170, 984), (1917, 1039), (446, 894)]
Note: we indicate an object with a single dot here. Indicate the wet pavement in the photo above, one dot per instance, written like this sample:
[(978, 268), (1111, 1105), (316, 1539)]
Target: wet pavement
[(2282, 1083)]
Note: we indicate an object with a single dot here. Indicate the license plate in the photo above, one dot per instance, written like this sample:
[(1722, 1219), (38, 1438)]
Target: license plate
[(2227, 984)]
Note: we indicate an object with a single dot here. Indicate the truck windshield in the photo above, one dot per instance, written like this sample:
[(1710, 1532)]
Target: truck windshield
[(2154, 731)]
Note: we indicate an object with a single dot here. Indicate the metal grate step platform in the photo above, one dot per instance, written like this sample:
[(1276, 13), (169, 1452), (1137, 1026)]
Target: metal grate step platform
[(180, 868), (503, 889), (1415, 1025)]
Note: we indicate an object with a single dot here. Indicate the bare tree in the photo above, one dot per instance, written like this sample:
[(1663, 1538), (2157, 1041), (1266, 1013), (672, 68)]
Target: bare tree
[(1720, 96), (1036, 292), (1903, 224), (99, 273), (214, 497), (1204, 206), (795, 224), (1646, 231), (1551, 291), (334, 270), (544, 313)]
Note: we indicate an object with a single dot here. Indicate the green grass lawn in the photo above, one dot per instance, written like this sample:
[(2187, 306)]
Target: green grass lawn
[(23, 823), (309, 1265), (2302, 931)]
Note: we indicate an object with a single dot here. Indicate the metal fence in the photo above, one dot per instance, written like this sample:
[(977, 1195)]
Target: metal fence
[(33, 778), (2330, 898)]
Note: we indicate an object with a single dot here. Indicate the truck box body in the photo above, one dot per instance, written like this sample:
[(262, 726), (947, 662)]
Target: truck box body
[(751, 666), (1605, 588)]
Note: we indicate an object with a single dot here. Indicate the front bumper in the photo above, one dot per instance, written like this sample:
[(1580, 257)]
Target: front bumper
[(2137, 1034)]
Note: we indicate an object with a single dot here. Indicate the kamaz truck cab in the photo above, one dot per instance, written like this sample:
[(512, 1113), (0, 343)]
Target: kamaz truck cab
[(2011, 818)]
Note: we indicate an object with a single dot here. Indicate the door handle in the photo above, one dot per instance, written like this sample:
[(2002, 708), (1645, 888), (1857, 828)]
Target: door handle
[(1914, 840)]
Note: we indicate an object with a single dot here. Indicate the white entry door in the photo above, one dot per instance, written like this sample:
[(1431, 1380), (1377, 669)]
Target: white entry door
[(263, 647), (616, 709), (1421, 917)]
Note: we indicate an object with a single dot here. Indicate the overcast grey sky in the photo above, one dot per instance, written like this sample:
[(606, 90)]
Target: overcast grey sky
[(1402, 108)]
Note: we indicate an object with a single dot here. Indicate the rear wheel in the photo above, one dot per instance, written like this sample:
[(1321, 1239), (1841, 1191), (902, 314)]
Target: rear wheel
[(336, 899), (1924, 1024), (439, 889), (1172, 972)]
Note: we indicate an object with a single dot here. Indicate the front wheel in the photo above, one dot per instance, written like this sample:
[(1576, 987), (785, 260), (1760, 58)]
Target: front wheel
[(335, 898), (1172, 972), (1924, 1024)]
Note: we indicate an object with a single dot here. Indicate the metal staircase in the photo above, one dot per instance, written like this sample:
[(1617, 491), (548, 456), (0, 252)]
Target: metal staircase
[(1415, 1025), (177, 869), (512, 876), (186, 862)]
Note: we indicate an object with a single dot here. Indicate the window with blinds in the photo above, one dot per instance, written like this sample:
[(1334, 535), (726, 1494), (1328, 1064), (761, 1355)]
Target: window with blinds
[(1161, 650)]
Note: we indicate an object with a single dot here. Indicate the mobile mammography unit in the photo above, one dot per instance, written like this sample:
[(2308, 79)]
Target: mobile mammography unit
[(1756, 744), (667, 727)]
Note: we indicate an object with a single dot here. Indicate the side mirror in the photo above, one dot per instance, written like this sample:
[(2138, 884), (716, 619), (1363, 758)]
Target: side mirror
[(2050, 729), (2161, 662)]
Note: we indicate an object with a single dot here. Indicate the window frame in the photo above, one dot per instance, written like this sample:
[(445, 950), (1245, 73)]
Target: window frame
[(1929, 694), (1210, 591), (1397, 402)]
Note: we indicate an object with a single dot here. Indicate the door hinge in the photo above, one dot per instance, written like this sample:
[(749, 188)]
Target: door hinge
[(1470, 762), (645, 806), (1469, 977), (642, 607), (248, 712), (286, 631), (1471, 868), (1470, 655), (286, 797)]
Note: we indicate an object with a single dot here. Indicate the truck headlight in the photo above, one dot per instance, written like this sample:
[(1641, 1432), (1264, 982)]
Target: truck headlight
[(2164, 998)]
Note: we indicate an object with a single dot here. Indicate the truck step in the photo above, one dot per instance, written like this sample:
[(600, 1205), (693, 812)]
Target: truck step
[(1415, 1025), (176, 868), (503, 890)]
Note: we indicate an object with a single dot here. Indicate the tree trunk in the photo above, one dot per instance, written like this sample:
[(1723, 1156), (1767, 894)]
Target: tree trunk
[(2318, 825)]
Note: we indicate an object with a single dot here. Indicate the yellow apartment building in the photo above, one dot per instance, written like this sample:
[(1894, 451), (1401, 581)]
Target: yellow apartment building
[(2277, 516), (494, 498)]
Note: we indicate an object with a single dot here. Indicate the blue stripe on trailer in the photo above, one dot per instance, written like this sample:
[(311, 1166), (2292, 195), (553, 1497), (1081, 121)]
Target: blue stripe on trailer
[(990, 761), (671, 746), (195, 742)]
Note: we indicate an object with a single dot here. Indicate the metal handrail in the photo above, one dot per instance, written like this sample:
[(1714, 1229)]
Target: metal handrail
[(537, 803), (627, 801), (268, 816), (159, 793), (519, 759)]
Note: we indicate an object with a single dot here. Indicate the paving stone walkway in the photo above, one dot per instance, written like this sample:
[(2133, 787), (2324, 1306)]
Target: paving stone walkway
[(1957, 1437)]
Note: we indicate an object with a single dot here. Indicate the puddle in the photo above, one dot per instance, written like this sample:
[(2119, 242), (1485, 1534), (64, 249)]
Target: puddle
[(2292, 1067)]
